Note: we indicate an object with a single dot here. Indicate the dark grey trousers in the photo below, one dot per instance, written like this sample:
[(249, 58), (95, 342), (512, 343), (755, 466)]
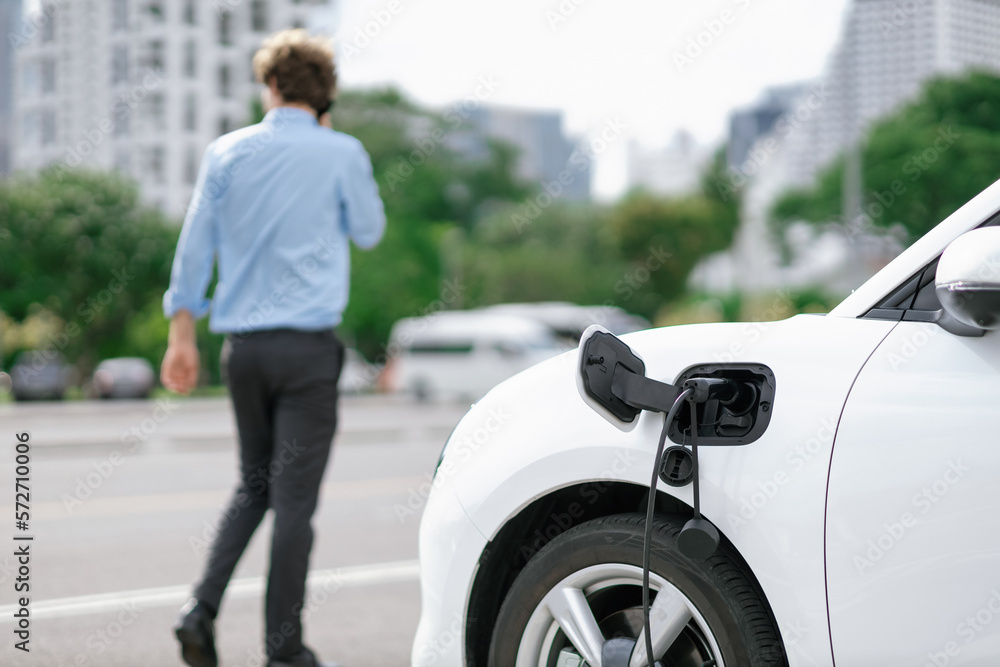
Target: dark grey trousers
[(284, 390)]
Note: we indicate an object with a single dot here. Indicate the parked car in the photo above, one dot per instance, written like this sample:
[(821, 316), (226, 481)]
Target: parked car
[(854, 491), (462, 354), (124, 377), (39, 375), (568, 321)]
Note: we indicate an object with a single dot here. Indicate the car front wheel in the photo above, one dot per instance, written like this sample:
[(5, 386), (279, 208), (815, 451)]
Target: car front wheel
[(580, 599)]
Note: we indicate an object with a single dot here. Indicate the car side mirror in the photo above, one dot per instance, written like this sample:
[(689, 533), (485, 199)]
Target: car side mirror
[(967, 282)]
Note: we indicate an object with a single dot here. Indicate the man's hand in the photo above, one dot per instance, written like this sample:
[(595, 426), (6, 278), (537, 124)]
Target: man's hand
[(181, 363)]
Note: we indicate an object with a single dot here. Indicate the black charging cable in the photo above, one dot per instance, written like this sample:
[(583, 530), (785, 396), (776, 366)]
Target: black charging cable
[(647, 542)]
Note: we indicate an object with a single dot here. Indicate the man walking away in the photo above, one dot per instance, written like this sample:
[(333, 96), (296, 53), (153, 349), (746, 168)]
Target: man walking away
[(275, 205)]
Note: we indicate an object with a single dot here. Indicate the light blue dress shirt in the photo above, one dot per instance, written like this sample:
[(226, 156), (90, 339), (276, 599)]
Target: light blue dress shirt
[(276, 204)]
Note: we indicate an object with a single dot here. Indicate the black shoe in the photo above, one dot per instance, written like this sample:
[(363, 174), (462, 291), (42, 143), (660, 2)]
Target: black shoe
[(304, 658), (195, 631)]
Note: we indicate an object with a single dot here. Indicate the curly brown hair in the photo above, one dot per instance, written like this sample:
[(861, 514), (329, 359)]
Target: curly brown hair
[(302, 66)]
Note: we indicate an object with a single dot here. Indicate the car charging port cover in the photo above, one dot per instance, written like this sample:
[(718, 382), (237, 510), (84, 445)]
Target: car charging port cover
[(600, 357), (677, 467)]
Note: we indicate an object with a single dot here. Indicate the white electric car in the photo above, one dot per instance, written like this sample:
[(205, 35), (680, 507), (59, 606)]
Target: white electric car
[(856, 490)]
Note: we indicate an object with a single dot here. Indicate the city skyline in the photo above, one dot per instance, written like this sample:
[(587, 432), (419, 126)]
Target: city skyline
[(140, 87)]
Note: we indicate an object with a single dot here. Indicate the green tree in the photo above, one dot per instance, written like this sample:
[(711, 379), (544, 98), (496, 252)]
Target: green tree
[(79, 245), (920, 164), (568, 252), (636, 254)]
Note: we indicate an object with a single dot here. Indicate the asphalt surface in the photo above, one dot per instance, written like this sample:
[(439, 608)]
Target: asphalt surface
[(124, 497)]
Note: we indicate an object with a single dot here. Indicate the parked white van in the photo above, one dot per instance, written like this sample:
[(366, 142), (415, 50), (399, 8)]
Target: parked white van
[(463, 354)]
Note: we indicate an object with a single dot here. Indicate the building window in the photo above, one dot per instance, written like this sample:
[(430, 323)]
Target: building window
[(119, 15), (226, 28), (156, 111), (225, 81), (122, 161), (49, 27), (155, 164), (119, 64), (225, 125), (48, 75), (191, 59), (190, 13), (191, 112), (191, 166), (121, 113), (30, 78), (155, 59), (48, 129), (31, 129), (258, 15), (155, 11)]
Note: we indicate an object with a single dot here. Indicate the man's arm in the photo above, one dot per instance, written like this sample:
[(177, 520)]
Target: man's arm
[(181, 363), (361, 206), (185, 300)]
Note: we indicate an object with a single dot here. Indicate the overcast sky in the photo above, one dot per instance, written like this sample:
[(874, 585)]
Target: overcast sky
[(656, 65)]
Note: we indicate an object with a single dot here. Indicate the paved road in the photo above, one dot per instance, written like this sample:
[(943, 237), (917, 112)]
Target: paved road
[(124, 495)]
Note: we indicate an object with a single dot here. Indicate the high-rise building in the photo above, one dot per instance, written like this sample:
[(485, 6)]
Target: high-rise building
[(749, 124), (544, 152), (142, 86), (888, 49), (10, 25)]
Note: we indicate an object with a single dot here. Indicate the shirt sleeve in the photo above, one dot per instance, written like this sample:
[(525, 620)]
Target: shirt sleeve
[(196, 249), (361, 207)]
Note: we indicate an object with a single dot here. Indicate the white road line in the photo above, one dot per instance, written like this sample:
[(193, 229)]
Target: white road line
[(328, 580)]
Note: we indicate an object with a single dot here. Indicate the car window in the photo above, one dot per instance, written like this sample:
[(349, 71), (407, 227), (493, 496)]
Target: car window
[(916, 299)]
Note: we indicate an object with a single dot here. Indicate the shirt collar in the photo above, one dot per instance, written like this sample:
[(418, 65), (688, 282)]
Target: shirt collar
[(289, 115)]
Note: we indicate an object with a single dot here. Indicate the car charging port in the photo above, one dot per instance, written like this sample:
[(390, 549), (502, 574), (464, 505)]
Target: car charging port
[(734, 406)]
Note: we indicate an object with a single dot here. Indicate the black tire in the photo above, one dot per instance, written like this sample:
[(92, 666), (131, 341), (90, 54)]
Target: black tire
[(720, 587)]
